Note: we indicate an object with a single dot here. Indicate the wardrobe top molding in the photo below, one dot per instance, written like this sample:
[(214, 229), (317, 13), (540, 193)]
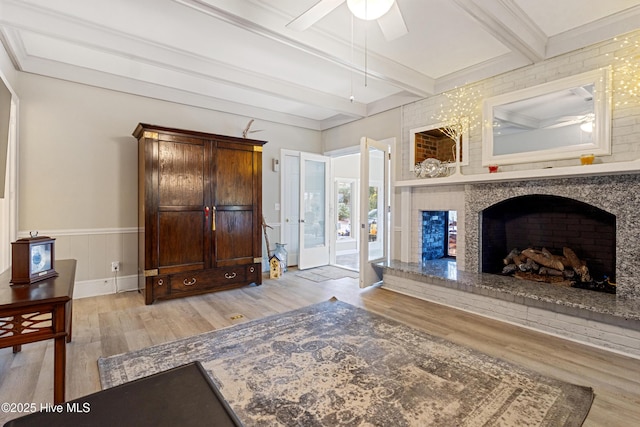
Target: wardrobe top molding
[(144, 127)]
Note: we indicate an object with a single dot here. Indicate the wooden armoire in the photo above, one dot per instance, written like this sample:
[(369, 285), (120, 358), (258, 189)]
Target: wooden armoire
[(199, 213)]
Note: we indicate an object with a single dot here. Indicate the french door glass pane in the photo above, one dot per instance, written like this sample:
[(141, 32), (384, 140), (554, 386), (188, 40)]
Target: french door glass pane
[(345, 210), (314, 204), (376, 203)]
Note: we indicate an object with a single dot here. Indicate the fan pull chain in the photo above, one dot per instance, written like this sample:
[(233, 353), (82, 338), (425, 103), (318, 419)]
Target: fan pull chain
[(352, 97), (366, 56), (366, 13)]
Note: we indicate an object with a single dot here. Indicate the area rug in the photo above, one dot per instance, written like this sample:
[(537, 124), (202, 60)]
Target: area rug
[(334, 364), (327, 272)]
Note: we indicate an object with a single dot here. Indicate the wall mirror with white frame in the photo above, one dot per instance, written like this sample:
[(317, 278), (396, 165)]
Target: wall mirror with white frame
[(562, 119), (430, 142)]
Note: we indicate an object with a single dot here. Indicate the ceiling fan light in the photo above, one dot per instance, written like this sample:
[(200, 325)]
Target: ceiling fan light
[(587, 126), (369, 9)]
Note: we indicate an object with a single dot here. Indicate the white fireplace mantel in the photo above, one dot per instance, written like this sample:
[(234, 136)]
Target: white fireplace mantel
[(599, 169)]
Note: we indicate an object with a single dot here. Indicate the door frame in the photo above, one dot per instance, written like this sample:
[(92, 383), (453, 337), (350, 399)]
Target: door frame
[(287, 185), (291, 187), (334, 154), (370, 275)]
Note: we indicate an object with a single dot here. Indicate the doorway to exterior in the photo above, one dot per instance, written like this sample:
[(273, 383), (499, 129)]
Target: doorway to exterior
[(356, 184), (346, 178)]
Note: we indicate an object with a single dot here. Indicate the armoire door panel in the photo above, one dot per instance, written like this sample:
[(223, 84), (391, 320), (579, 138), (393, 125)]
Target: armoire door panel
[(181, 170), (234, 177), (234, 236), (180, 239)]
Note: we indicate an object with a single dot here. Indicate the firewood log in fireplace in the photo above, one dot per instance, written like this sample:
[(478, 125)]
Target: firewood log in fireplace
[(579, 266), (514, 258), (509, 258), (509, 269), (540, 258), (546, 253), (519, 262), (546, 271), (543, 266)]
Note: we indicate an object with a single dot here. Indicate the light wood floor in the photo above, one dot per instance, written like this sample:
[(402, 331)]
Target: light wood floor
[(114, 324)]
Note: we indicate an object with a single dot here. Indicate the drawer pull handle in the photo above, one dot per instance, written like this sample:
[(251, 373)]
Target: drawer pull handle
[(190, 282), (230, 276), (252, 269), (160, 282)]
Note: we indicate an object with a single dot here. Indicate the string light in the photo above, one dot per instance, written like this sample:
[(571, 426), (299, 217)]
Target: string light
[(461, 112), (626, 72)]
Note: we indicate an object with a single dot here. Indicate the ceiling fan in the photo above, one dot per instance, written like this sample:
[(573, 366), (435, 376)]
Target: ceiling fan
[(386, 12)]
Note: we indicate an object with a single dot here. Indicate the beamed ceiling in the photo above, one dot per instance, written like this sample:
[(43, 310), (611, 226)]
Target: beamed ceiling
[(239, 56)]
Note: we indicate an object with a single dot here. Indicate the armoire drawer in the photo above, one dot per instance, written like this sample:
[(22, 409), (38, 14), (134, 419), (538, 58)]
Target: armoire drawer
[(160, 286), (207, 279)]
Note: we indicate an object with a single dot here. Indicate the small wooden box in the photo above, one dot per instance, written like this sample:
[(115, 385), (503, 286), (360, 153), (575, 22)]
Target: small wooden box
[(32, 260)]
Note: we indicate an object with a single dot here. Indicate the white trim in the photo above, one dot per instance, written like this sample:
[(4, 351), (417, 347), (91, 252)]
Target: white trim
[(9, 205), (105, 286), (405, 224), (598, 169), (339, 152), (601, 144), (83, 231)]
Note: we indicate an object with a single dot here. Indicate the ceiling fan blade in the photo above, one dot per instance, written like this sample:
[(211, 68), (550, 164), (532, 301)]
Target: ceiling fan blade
[(392, 23), (314, 14)]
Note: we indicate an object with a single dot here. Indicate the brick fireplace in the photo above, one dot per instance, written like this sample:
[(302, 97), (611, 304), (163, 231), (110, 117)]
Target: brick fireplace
[(609, 197), (595, 318), (551, 222)]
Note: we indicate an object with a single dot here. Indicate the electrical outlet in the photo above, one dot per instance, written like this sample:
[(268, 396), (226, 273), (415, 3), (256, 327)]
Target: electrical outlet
[(115, 266)]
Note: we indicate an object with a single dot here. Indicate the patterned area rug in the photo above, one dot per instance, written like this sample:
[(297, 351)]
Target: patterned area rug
[(327, 272), (334, 364)]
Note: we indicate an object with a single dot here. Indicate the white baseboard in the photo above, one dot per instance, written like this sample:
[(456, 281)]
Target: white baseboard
[(92, 288)]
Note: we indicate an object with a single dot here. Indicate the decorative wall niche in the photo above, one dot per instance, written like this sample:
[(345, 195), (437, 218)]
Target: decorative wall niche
[(431, 142)]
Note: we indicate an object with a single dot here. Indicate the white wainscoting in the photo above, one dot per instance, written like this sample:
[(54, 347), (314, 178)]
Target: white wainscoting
[(112, 285), (95, 250)]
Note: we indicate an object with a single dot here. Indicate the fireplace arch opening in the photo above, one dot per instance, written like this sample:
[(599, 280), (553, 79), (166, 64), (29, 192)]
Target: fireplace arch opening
[(551, 222)]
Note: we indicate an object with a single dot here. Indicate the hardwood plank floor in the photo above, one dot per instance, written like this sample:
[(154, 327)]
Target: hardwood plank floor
[(112, 324)]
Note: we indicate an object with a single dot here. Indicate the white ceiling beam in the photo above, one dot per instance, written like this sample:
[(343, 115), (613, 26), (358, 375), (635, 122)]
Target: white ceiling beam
[(171, 94), (509, 24), (379, 68), (150, 52), (595, 32)]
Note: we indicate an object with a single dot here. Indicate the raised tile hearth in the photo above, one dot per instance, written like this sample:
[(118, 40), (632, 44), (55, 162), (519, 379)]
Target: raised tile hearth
[(593, 318)]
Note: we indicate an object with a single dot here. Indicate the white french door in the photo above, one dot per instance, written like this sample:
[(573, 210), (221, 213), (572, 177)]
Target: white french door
[(315, 218), (374, 194), (290, 196)]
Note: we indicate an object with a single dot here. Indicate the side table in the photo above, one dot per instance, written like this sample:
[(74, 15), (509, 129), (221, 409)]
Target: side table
[(40, 311)]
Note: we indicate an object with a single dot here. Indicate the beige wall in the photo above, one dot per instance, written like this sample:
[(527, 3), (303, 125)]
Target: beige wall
[(78, 166)]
